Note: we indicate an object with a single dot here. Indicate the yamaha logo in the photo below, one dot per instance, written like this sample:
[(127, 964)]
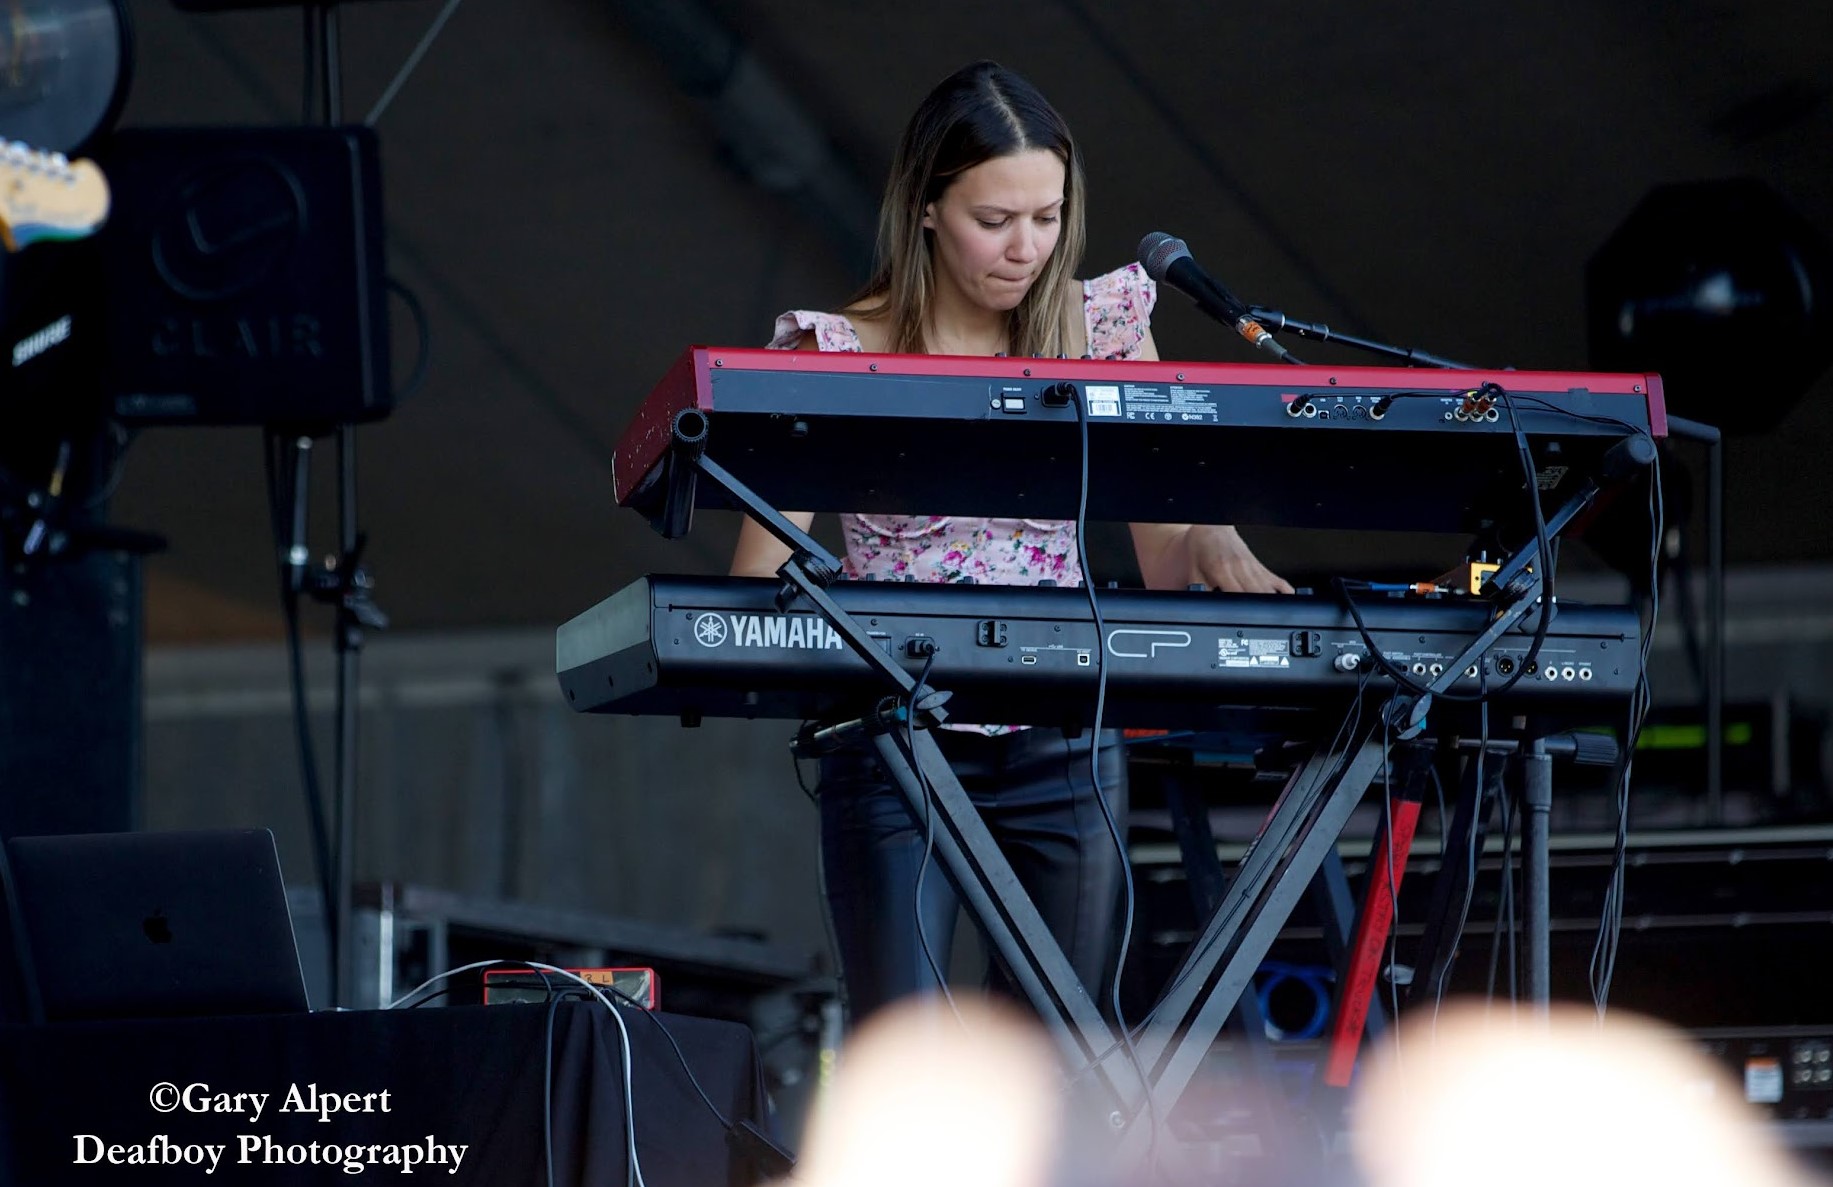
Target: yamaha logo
[(804, 632)]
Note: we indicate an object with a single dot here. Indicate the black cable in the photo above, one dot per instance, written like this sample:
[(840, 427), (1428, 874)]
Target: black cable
[(1543, 545), (1399, 674), (1610, 923), (1393, 888), (1504, 925), (1543, 550), (650, 1014), (929, 831), (795, 761), (309, 43), (1444, 824), (1115, 833), (1477, 816), (117, 467), (1604, 949), (412, 999), (334, 66), (423, 331), (1094, 749)]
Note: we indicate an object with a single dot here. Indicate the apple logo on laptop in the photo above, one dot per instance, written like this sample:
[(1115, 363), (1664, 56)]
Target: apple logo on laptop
[(156, 927)]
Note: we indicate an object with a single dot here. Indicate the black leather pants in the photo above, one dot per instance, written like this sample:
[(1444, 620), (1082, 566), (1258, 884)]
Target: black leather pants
[(1033, 790)]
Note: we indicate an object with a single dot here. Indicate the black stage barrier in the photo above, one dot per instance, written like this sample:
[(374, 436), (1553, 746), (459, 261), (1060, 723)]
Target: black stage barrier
[(469, 1076)]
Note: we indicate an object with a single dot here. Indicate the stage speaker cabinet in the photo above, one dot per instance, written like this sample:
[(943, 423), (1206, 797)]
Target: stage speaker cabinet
[(245, 281)]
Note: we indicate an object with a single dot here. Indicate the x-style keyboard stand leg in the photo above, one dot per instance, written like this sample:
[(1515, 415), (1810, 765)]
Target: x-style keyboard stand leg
[(998, 902), (1286, 854)]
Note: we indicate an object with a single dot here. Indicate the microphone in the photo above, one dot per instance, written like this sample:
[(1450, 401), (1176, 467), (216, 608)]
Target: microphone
[(1167, 260)]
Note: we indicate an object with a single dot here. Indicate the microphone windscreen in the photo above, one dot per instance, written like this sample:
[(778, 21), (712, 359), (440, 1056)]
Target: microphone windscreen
[(1150, 243), (1158, 251)]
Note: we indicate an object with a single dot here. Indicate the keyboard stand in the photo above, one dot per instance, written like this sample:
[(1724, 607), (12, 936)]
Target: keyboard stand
[(1285, 856)]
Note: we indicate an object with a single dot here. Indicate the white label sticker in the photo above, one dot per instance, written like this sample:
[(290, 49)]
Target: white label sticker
[(1251, 653), (1763, 1081), (1103, 400)]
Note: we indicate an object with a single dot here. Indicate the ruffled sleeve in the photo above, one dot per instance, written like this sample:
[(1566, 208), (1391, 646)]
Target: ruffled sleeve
[(1119, 311), (831, 331)]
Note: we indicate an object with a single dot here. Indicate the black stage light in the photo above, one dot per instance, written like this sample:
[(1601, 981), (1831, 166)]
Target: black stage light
[(64, 70), (1722, 288)]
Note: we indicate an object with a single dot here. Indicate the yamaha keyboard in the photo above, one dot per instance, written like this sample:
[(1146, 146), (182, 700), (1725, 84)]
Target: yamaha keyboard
[(698, 647), (1297, 446)]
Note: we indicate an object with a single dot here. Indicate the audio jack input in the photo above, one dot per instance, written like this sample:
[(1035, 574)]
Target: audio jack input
[(1419, 669), (1470, 673), (1436, 670), (1347, 661), (1584, 673), (1478, 405), (1551, 673), (1505, 665), (1568, 673)]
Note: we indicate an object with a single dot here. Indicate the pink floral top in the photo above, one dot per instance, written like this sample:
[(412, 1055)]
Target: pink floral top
[(945, 548)]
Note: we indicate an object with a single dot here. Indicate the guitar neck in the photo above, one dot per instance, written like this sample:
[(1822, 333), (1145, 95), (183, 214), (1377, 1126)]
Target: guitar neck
[(46, 197)]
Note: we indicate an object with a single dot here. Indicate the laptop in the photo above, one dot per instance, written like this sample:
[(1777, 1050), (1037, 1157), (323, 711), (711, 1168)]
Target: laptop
[(157, 925)]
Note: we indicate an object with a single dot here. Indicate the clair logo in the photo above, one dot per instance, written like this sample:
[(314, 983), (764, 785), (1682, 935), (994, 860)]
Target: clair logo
[(156, 927), (772, 630)]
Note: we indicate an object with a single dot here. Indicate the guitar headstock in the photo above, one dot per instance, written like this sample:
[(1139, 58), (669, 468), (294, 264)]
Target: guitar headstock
[(43, 195)]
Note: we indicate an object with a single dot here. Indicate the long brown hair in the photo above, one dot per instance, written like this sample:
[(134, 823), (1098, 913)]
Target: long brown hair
[(977, 113)]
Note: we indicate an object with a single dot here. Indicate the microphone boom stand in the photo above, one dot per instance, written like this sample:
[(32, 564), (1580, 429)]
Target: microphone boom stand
[(1275, 321)]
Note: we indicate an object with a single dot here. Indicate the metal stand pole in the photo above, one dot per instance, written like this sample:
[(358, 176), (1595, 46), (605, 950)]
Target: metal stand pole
[(1693, 430), (1715, 631), (348, 583)]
